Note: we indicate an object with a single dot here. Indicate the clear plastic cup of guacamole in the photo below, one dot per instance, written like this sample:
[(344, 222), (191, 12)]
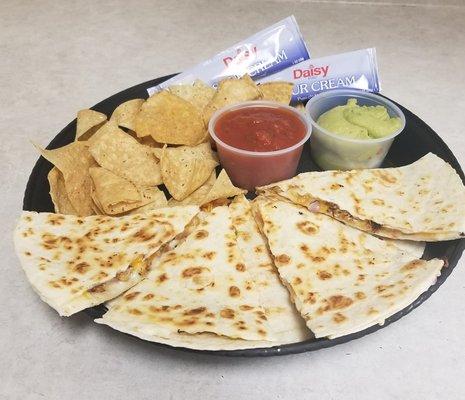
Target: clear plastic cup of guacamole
[(352, 129)]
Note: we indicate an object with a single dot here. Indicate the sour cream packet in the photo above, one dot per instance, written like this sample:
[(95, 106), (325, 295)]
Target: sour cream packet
[(277, 47), (356, 69)]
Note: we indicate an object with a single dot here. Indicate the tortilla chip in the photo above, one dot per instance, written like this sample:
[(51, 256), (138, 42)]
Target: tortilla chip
[(184, 168), (123, 155), (222, 189), (231, 91), (280, 92), (170, 119), (97, 207), (198, 195), (88, 122), (199, 94), (115, 194), (74, 161), (148, 141), (159, 201), (58, 193), (126, 112), (157, 152), (213, 190)]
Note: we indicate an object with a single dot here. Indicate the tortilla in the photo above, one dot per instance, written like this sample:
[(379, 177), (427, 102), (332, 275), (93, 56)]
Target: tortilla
[(158, 200), (416, 249), (74, 161), (184, 169), (197, 196), (231, 91), (212, 189), (200, 286), (107, 129), (115, 194), (58, 194), (222, 189), (149, 141), (170, 119), (199, 93), (96, 206), (284, 321), (126, 112), (88, 122), (280, 92), (74, 263), (199, 341), (420, 201), (121, 154), (342, 280)]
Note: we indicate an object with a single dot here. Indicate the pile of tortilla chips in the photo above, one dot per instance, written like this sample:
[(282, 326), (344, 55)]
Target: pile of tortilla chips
[(150, 148)]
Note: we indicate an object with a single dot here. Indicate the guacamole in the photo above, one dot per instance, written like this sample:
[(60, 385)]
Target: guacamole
[(359, 122)]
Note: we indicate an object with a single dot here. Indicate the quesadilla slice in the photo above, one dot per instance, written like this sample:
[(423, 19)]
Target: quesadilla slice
[(284, 321), (420, 201), (342, 280), (78, 262), (202, 286)]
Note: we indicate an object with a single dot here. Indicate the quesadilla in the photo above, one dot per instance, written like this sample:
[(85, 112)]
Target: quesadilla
[(200, 287), (342, 280), (284, 321), (420, 201), (77, 262)]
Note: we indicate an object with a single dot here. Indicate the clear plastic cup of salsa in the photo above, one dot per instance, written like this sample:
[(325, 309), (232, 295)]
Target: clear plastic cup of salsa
[(259, 142)]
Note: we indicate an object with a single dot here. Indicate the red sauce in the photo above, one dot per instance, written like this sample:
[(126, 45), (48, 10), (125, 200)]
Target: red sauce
[(260, 128)]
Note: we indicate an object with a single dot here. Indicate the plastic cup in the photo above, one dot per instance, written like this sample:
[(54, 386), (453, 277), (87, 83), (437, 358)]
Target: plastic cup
[(332, 151), (249, 169)]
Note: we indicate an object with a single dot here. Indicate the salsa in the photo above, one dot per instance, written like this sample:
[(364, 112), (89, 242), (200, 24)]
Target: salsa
[(247, 137), (260, 129)]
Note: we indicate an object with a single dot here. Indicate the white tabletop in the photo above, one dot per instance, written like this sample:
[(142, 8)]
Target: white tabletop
[(59, 57)]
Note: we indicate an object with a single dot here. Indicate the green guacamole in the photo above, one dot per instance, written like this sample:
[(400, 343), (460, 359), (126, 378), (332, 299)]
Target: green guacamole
[(359, 122)]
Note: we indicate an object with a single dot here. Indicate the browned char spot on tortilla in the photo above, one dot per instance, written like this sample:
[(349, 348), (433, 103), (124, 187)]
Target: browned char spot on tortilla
[(201, 234), (227, 313), (82, 267), (195, 311), (311, 298), (209, 255), (324, 275), (190, 272), (336, 186), (307, 228), (360, 295), (339, 317), (234, 291), (240, 267), (131, 296), (378, 202), (55, 219), (283, 259), (412, 265), (336, 302), (296, 281)]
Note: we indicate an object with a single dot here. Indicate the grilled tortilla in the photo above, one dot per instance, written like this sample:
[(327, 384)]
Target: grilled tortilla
[(202, 286), (284, 321), (77, 262), (342, 280), (421, 201)]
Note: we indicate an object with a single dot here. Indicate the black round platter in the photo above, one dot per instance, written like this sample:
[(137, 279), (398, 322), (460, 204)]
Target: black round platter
[(415, 141)]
